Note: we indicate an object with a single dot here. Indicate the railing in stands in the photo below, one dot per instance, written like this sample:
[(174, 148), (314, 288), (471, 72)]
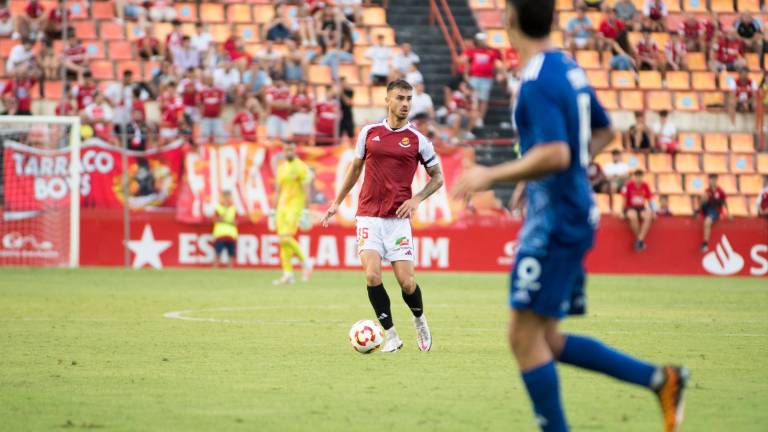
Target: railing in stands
[(760, 120), (453, 36)]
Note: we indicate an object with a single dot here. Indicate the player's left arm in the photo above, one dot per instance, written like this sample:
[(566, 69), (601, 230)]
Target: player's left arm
[(435, 182)]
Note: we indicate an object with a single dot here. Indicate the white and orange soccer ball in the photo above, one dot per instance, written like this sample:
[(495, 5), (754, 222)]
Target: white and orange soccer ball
[(365, 336)]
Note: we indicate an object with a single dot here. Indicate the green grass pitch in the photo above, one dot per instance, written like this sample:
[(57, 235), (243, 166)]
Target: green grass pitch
[(91, 348)]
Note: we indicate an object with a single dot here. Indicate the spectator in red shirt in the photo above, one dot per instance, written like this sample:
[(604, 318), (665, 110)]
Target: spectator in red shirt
[(482, 70), (174, 39), (637, 208), (610, 28), (245, 124), (54, 25), (674, 51), (762, 200), (462, 113), (66, 106), (17, 94), (189, 89), (327, 115), (85, 91), (148, 46), (300, 122), (6, 21), (171, 109), (655, 12), (713, 205), (727, 53), (692, 32), (211, 101), (279, 109), (30, 23), (647, 52), (98, 114), (75, 59), (744, 90)]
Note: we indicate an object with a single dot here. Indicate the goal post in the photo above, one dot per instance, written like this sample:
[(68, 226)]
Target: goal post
[(40, 176)]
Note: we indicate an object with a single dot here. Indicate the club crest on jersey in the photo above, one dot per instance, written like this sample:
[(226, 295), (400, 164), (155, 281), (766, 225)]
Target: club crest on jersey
[(405, 143), (402, 242)]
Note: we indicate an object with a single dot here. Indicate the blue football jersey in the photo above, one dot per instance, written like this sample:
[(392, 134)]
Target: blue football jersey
[(556, 104)]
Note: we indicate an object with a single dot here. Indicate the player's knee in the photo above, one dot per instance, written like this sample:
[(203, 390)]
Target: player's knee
[(555, 340), (372, 277), (407, 284)]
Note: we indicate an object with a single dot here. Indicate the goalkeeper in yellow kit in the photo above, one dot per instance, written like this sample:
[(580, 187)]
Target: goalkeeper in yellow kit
[(291, 194)]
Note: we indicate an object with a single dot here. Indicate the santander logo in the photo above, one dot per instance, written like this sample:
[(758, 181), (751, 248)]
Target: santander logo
[(723, 261)]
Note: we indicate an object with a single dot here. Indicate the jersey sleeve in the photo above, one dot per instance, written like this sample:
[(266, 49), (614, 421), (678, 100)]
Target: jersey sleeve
[(599, 117), (544, 115), (360, 145), (427, 152)]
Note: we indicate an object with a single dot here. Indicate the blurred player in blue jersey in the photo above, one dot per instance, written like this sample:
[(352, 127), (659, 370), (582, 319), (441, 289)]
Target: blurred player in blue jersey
[(561, 124)]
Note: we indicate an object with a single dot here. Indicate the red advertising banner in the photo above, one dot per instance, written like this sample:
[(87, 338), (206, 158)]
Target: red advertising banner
[(739, 247), (248, 171), (37, 178)]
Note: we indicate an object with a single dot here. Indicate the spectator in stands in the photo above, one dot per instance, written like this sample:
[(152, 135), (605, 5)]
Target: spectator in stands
[(664, 137), (637, 208), (307, 33), (202, 39), (85, 91), (462, 113), (189, 89), (750, 31), (210, 104), (610, 29), (185, 57), (66, 106), (22, 57), (638, 138), (579, 31), (403, 60), (148, 46), (278, 109), (594, 4), (173, 39), (99, 115), (131, 9), (616, 171), (17, 94), (744, 90), (228, 79), (621, 53), (414, 76), (334, 30), (271, 58), (334, 56), (352, 10), (137, 131), (655, 12), (713, 205), (245, 124), (647, 53), (256, 78), (627, 13), (421, 104), (301, 122), (120, 95), (663, 209), (597, 179), (31, 23), (295, 62), (6, 21), (75, 59), (161, 10), (327, 116), (50, 66), (381, 57), (346, 96), (171, 111), (727, 53), (54, 25), (674, 53), (482, 62), (762, 200), (692, 32), (282, 27)]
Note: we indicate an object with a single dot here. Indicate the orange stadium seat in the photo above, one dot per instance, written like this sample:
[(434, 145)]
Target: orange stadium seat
[(102, 69), (689, 142), (85, 29), (728, 183), (351, 72), (715, 163), (632, 100), (239, 13), (713, 99), (263, 14), (762, 163), (186, 12), (670, 183), (53, 90), (378, 94), (95, 49), (360, 58), (102, 10), (389, 35), (598, 78), (699, 6), (211, 12), (608, 98), (489, 19), (742, 142), (78, 10), (715, 142), (319, 74), (603, 203), (148, 69), (660, 163), (687, 163), (673, 6), (131, 65), (622, 80), (680, 205), (686, 101), (362, 97), (120, 50), (750, 184), (748, 6), (753, 62), (618, 204), (374, 16), (659, 100), (742, 163), (588, 59), (695, 184), (498, 38), (737, 206), (678, 80), (721, 5), (248, 32), (636, 161), (696, 61), (111, 31), (703, 81), (556, 37), (649, 80)]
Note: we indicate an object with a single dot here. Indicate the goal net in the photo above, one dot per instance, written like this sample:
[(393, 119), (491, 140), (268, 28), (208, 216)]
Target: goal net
[(39, 191)]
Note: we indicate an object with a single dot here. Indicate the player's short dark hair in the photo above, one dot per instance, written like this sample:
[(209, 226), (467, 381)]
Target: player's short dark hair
[(534, 17), (399, 84)]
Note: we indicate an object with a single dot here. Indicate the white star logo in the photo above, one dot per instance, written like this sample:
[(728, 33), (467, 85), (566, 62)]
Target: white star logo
[(148, 250)]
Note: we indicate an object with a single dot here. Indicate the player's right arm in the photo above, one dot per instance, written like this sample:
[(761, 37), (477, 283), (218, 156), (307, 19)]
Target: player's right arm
[(349, 182)]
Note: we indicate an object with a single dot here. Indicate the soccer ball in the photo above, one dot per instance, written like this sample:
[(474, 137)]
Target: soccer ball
[(365, 336)]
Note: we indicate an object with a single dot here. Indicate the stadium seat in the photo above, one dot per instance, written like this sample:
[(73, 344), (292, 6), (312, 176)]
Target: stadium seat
[(85, 29), (721, 5), (239, 13), (748, 6), (186, 12), (389, 35), (131, 65), (687, 163), (211, 12), (489, 19), (762, 163), (622, 79), (742, 163), (319, 74), (659, 101), (53, 90), (598, 78), (680, 205), (248, 32), (102, 69), (670, 183), (95, 49), (696, 61), (750, 184), (715, 163), (608, 98), (632, 100), (728, 183), (102, 10), (618, 204), (376, 16), (737, 206), (78, 10), (590, 60), (715, 142), (699, 6), (263, 14), (120, 50), (378, 94), (742, 142), (351, 72), (649, 80), (753, 62), (713, 99), (695, 184), (660, 163), (362, 97), (111, 31), (686, 101), (689, 142), (703, 81), (603, 203), (636, 161)]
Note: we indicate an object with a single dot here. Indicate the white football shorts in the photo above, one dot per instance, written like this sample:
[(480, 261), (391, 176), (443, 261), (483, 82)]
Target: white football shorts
[(390, 237)]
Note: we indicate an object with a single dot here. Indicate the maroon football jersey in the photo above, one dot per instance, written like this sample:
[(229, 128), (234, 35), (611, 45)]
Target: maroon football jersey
[(391, 158)]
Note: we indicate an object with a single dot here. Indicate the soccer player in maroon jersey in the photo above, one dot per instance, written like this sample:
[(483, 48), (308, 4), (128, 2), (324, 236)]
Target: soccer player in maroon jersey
[(712, 205), (391, 151)]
